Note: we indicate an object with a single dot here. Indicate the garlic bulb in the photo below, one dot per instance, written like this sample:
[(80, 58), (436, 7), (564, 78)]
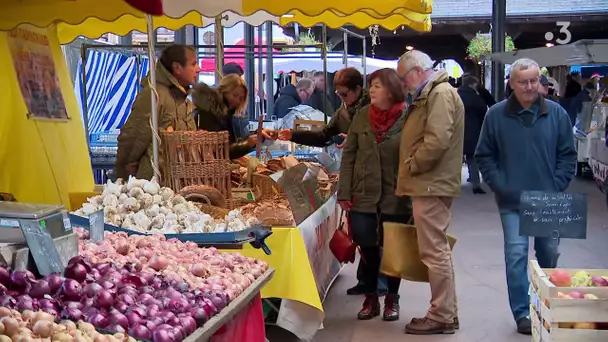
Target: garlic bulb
[(147, 207)]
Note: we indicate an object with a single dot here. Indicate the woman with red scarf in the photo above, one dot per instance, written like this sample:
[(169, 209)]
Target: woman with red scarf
[(368, 176)]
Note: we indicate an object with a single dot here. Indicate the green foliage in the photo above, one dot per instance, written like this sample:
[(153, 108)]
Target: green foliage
[(481, 45), (304, 39)]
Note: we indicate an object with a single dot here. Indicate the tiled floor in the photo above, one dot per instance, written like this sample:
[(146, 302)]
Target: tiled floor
[(484, 310)]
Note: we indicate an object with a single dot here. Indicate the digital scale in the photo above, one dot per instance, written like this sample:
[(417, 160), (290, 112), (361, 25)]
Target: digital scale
[(54, 218)]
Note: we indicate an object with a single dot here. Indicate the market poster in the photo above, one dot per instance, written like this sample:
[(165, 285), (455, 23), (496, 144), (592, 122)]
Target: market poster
[(317, 231), (35, 69)]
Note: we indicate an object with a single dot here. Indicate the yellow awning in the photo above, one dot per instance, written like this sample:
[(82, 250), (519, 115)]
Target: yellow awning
[(42, 13), (363, 19), (95, 28)]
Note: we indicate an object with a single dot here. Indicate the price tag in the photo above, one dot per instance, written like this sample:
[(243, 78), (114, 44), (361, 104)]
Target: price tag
[(67, 224), (96, 226), (41, 246)]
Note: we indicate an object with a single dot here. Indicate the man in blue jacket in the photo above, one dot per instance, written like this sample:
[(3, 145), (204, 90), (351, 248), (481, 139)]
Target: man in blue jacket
[(526, 143)]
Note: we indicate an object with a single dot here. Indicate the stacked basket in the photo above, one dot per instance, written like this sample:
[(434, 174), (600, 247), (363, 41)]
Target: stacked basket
[(196, 158)]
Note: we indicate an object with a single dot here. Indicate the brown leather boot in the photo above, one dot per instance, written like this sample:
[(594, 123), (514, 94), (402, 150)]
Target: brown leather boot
[(391, 307), (371, 307), (456, 322), (427, 326)]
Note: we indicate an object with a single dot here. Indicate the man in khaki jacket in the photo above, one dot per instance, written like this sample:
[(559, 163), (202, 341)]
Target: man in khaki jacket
[(430, 173)]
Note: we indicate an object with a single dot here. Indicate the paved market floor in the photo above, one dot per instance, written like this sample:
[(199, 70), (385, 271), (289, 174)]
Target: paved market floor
[(481, 286)]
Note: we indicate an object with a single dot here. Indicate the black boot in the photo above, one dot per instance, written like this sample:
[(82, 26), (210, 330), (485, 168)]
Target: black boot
[(355, 290)]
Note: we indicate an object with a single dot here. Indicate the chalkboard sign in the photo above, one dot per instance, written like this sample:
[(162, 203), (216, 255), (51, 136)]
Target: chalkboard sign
[(42, 247), (546, 214), (96, 226)]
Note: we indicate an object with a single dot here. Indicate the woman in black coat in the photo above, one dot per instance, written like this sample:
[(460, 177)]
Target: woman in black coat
[(475, 111)]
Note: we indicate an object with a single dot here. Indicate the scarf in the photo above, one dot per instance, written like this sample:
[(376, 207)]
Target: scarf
[(383, 120), (361, 102)]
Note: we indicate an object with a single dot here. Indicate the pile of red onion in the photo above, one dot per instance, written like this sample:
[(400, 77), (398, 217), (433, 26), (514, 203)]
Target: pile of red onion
[(201, 268), (126, 299)]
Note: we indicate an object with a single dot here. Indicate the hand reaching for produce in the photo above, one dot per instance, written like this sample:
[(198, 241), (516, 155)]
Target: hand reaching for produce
[(252, 140), (285, 135), (269, 134)]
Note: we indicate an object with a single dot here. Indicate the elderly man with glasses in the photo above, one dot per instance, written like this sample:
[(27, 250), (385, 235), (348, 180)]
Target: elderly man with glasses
[(430, 173), (293, 96), (526, 143)]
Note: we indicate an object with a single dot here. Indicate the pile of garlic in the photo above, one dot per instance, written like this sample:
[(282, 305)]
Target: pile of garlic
[(144, 206)]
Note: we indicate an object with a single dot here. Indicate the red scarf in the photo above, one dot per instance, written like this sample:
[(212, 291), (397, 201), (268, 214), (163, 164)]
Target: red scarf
[(383, 120)]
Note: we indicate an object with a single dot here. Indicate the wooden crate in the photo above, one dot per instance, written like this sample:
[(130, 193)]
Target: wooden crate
[(269, 189), (547, 311)]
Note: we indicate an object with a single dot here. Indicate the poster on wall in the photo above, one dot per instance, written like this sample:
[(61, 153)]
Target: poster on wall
[(35, 69)]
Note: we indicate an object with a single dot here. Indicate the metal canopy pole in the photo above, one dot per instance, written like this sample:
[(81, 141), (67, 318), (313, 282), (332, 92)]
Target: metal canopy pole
[(260, 68), (499, 17), (269, 70), (324, 56), (250, 69), (345, 39), (154, 116)]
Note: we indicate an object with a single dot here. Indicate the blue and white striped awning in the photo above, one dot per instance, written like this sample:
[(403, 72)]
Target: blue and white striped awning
[(112, 82)]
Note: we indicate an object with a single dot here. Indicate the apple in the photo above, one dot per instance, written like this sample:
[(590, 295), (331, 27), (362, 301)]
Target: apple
[(590, 296), (599, 281), (581, 279), (563, 295), (560, 278)]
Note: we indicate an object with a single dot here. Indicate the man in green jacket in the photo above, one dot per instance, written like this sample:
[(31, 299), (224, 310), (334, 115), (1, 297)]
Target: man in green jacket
[(176, 71)]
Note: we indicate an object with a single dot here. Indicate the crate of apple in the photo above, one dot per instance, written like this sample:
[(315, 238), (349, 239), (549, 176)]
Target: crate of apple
[(562, 278)]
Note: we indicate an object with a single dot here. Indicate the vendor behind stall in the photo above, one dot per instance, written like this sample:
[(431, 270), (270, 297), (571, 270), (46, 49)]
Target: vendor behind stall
[(176, 71), (349, 87), (217, 107)]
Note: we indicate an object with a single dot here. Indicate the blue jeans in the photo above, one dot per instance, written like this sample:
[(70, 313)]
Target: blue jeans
[(516, 261)]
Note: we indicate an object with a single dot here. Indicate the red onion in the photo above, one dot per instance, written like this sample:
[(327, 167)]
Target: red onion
[(149, 324), (147, 289), (90, 311), (98, 320), (87, 302), (199, 315), (149, 277), (21, 280), (133, 318), (121, 306), (116, 328), (178, 334), (7, 301), (125, 298), (72, 305), (3, 289), (188, 323), (71, 314), (5, 276), (118, 318), (140, 311), (102, 267), (108, 285), (104, 299), (70, 289), (135, 280), (157, 321), (143, 297), (51, 311), (173, 321), (140, 332), (218, 302), (40, 289), (129, 290), (91, 290), (25, 305), (208, 307), (166, 315), (162, 335), (179, 305), (46, 303), (76, 271), (54, 280)]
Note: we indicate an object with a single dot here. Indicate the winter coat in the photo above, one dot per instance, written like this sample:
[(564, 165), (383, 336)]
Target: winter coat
[(474, 112), (339, 123), (214, 116), (368, 170), (432, 141), (135, 139), (288, 99), (316, 102)]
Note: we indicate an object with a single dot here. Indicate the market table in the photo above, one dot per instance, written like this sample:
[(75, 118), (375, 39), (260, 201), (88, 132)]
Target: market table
[(305, 269)]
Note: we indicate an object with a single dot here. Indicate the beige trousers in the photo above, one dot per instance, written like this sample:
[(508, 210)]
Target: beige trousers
[(432, 217)]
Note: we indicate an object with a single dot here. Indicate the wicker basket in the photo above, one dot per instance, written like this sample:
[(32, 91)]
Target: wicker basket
[(196, 158), (269, 189)]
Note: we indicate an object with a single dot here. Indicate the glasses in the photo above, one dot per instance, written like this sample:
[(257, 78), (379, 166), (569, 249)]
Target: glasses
[(342, 94), (531, 82)]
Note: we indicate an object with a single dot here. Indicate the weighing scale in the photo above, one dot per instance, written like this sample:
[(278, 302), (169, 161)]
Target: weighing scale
[(54, 218)]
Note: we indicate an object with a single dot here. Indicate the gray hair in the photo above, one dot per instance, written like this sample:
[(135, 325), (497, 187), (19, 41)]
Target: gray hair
[(523, 64), (305, 83), (415, 58)]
